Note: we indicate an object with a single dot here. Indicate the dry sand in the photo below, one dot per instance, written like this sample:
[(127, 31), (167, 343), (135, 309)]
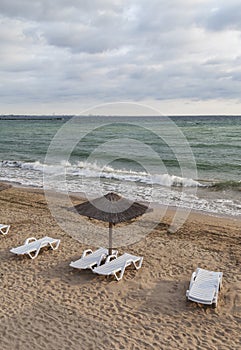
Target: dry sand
[(45, 304)]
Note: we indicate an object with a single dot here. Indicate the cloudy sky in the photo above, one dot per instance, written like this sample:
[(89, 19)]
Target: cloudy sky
[(62, 56)]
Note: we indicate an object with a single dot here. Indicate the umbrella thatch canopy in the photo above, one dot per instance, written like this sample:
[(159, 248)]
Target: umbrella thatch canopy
[(113, 209)]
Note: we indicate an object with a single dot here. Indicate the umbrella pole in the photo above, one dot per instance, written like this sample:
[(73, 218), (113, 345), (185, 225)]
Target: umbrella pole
[(110, 237)]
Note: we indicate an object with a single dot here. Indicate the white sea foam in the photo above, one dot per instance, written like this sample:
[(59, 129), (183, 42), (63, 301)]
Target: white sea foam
[(87, 177), (93, 170)]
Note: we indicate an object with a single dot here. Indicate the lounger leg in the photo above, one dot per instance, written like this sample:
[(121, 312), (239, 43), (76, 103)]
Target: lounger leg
[(122, 270), (138, 263), (34, 255), (121, 273), (55, 245), (5, 230)]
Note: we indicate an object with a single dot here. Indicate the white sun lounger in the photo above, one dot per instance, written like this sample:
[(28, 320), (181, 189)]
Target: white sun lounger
[(90, 259), (4, 229), (117, 266), (32, 246), (204, 287)]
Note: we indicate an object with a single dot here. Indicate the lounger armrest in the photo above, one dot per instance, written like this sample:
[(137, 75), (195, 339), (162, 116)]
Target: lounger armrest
[(28, 240), (98, 262), (110, 257), (115, 253), (86, 252), (220, 279), (194, 274)]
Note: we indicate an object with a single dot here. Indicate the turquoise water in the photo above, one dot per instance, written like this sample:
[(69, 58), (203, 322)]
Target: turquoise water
[(147, 158)]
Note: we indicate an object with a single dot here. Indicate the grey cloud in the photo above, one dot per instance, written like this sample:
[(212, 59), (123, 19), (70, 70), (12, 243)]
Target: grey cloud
[(70, 50), (100, 25), (80, 38), (55, 10), (221, 15)]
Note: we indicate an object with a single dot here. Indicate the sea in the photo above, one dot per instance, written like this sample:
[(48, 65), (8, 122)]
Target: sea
[(181, 161)]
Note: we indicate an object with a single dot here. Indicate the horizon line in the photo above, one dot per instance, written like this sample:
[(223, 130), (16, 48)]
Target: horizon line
[(55, 116)]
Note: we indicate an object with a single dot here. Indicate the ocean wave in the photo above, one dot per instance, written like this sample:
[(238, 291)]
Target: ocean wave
[(94, 170), (20, 164), (84, 177), (226, 185)]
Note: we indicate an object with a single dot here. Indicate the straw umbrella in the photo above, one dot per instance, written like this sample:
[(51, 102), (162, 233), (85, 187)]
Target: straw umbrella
[(113, 209)]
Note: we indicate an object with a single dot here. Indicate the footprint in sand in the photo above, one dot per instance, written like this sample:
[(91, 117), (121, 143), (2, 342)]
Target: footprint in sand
[(233, 299)]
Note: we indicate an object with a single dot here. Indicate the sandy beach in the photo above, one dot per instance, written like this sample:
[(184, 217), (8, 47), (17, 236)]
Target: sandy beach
[(45, 304)]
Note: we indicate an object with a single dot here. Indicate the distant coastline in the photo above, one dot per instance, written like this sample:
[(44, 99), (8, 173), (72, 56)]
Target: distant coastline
[(68, 116), (35, 117)]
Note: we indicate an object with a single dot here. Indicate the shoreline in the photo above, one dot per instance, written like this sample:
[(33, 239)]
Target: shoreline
[(172, 209)]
